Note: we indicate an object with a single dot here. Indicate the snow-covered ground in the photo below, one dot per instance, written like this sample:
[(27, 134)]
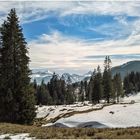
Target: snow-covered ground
[(117, 115), (134, 97), (23, 136), (53, 111), (111, 116)]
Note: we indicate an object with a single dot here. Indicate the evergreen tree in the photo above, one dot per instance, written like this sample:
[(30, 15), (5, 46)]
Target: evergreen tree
[(86, 89), (90, 87), (45, 98), (63, 91), (138, 81), (118, 88), (126, 84), (81, 92), (36, 90), (16, 91), (107, 79), (1, 94), (53, 88), (57, 90), (70, 97), (97, 86), (132, 83)]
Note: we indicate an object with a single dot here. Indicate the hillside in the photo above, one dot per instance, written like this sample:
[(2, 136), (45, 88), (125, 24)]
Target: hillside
[(126, 68)]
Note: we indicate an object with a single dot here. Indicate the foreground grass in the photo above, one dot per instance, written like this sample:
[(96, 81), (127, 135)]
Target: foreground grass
[(69, 133)]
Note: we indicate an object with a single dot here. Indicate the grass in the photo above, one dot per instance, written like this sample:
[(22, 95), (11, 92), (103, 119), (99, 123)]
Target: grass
[(71, 133)]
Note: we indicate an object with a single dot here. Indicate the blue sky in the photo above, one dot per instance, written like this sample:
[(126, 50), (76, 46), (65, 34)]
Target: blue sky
[(75, 36)]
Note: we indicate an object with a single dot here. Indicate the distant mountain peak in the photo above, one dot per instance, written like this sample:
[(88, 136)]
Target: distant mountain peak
[(46, 75)]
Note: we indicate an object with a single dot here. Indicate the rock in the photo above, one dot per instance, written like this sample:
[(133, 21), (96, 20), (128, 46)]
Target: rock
[(132, 102), (111, 112)]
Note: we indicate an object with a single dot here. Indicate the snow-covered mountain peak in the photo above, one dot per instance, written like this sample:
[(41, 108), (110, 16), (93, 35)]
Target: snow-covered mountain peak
[(46, 75), (88, 74)]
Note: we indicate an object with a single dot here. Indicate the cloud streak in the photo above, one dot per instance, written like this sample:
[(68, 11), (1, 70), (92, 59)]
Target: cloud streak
[(33, 11), (59, 51)]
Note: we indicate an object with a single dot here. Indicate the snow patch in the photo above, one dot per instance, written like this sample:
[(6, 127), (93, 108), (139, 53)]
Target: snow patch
[(24, 136), (126, 114), (122, 116)]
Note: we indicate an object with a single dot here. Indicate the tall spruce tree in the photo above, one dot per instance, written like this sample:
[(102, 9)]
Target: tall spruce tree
[(45, 98), (97, 86), (90, 87), (107, 79), (1, 111), (16, 96), (118, 88), (70, 97)]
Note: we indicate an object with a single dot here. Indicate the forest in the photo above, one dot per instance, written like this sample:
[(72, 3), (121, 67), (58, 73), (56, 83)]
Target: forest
[(101, 86)]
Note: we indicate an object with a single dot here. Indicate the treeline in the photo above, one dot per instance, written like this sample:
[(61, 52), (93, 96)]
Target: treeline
[(56, 92), (104, 85), (101, 86), (132, 83)]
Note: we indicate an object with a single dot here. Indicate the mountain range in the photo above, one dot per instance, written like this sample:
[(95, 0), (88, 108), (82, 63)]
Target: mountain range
[(46, 75)]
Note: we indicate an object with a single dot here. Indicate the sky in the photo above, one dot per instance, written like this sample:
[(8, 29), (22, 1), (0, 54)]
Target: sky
[(75, 36)]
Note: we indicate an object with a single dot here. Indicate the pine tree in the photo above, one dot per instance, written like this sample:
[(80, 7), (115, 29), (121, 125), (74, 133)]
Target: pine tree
[(16, 90), (70, 97), (97, 86), (45, 98), (90, 86), (81, 92), (118, 88), (107, 79), (86, 89), (1, 94), (132, 83), (35, 86), (63, 91), (90, 89)]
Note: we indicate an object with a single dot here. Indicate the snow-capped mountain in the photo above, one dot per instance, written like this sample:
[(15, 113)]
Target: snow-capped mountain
[(46, 75), (71, 78), (41, 74), (88, 74)]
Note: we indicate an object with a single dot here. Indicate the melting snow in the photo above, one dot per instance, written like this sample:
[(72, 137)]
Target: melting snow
[(24, 136), (117, 115)]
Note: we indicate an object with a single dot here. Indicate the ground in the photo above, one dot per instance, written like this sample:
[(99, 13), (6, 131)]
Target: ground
[(81, 120), (69, 133), (120, 115)]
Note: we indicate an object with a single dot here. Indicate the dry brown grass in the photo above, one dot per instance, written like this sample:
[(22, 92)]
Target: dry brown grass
[(71, 133)]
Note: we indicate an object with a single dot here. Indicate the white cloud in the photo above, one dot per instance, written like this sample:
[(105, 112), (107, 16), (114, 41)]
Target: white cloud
[(29, 11), (59, 51)]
